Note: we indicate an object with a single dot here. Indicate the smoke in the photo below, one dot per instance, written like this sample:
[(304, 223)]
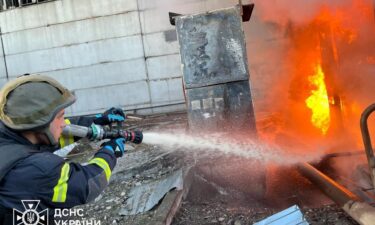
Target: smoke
[(299, 12)]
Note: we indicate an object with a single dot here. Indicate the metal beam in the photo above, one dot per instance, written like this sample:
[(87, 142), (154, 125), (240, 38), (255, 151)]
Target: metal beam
[(335, 191), (361, 212)]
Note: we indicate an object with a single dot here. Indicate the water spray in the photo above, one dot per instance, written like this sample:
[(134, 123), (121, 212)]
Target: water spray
[(216, 144), (212, 144)]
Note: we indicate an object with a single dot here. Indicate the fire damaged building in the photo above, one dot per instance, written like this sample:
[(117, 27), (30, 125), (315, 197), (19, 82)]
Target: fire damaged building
[(246, 112)]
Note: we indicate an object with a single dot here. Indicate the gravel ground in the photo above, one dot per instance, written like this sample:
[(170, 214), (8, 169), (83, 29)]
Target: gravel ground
[(220, 214)]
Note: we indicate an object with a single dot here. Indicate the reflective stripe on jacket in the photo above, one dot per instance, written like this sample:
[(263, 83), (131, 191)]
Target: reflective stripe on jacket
[(66, 140), (41, 175)]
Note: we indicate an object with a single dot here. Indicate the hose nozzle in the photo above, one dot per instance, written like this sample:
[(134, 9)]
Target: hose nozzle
[(133, 136), (96, 132)]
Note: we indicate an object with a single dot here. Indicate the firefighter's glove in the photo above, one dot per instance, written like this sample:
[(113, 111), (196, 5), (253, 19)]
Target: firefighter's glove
[(110, 116), (116, 146)]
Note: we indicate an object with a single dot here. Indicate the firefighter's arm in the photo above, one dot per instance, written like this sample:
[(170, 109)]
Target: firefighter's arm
[(74, 184)]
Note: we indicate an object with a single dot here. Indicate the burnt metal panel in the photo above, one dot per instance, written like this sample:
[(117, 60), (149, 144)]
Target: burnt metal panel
[(222, 107), (212, 47), (215, 70), (218, 95)]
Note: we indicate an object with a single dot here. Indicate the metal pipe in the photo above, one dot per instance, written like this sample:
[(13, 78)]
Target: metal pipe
[(367, 140), (336, 192), (361, 212)]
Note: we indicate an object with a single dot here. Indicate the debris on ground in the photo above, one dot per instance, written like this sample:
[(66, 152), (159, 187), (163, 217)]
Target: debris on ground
[(143, 165), (204, 214)]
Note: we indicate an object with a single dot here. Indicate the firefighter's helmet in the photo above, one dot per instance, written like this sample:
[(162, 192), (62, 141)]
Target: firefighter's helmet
[(31, 102)]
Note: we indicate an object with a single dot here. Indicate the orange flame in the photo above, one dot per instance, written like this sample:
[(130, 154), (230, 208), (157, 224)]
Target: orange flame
[(318, 101)]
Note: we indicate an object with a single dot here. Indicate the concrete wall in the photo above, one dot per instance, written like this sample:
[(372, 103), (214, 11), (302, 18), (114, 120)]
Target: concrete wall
[(3, 75), (110, 53)]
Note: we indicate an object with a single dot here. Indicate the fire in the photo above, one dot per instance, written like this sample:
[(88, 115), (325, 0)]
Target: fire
[(326, 60), (318, 101)]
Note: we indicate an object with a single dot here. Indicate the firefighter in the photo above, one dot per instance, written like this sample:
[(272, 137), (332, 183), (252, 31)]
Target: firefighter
[(32, 118)]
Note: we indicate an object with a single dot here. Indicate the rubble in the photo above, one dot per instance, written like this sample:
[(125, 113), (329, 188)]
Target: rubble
[(202, 214)]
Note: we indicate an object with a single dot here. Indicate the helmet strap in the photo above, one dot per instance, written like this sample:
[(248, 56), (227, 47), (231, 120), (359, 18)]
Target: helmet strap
[(46, 131)]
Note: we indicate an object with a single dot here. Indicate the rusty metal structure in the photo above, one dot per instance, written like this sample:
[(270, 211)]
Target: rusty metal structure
[(330, 66), (367, 141)]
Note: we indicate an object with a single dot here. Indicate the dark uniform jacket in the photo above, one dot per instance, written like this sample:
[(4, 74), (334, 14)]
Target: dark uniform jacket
[(33, 172)]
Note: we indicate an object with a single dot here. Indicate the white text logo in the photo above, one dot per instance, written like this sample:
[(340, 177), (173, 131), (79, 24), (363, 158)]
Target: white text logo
[(30, 216)]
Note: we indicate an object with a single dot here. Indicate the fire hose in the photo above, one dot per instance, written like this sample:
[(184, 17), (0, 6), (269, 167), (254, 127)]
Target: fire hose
[(96, 132)]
